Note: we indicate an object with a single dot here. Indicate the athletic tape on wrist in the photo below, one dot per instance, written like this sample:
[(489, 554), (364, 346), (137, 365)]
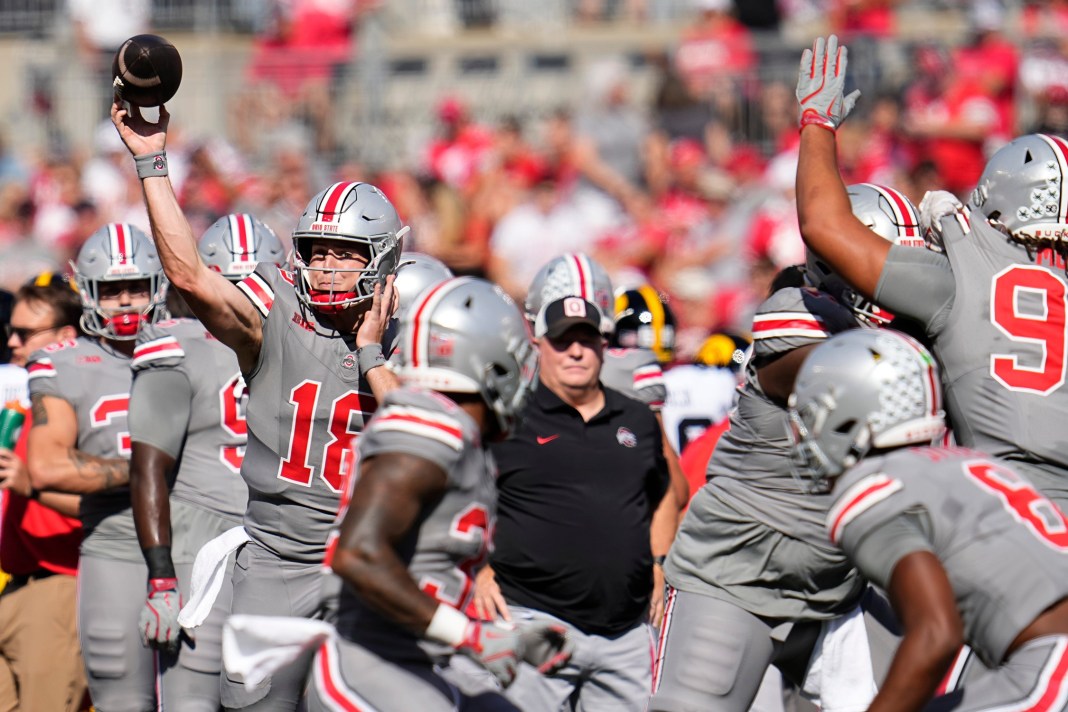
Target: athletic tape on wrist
[(370, 356), (448, 626), (151, 165)]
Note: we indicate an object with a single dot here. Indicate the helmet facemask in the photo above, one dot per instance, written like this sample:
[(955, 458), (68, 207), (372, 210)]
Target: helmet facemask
[(381, 252), (356, 214), (119, 253)]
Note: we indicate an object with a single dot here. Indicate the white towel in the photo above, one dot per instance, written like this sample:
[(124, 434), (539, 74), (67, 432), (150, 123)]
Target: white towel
[(255, 647), (209, 572), (840, 677)]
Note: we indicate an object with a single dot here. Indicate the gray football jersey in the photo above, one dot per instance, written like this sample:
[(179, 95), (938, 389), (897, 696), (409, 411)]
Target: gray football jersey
[(452, 541), (210, 463), (306, 401), (95, 379), (752, 481), (1003, 545), (1001, 345), (635, 373)]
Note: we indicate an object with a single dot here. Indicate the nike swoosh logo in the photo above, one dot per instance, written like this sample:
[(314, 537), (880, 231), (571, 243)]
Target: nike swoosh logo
[(547, 439)]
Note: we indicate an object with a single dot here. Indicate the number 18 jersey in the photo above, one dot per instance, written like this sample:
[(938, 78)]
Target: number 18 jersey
[(307, 400)]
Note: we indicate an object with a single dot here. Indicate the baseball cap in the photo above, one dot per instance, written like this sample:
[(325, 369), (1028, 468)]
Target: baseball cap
[(558, 316)]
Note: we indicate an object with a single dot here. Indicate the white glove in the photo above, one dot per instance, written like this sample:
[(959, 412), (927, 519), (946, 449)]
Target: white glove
[(936, 204), (159, 618), (821, 85)]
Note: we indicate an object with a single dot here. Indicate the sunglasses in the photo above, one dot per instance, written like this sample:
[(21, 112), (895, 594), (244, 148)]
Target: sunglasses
[(23, 333)]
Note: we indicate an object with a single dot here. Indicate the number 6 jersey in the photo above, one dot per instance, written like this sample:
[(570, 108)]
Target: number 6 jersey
[(1003, 546), (307, 399)]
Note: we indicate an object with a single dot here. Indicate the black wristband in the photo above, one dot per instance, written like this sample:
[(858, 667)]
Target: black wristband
[(158, 559), (659, 560)]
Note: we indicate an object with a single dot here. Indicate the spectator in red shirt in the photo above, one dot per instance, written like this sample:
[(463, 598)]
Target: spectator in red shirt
[(458, 155), (40, 659)]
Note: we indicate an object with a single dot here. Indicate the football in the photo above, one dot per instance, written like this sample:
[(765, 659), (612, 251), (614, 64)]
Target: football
[(147, 70)]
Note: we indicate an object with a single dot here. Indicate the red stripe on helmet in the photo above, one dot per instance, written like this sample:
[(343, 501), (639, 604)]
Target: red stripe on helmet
[(243, 223), (334, 197), (1061, 146), (121, 252), (419, 314), (585, 290)]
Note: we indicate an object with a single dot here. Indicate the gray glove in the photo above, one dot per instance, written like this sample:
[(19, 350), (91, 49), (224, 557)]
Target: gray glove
[(821, 85), (500, 649), (159, 618)]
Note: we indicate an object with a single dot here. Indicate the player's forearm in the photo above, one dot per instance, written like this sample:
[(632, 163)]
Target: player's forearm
[(382, 381), (919, 665), (175, 242), (821, 195), (382, 582), (76, 472), (150, 496), (65, 504)]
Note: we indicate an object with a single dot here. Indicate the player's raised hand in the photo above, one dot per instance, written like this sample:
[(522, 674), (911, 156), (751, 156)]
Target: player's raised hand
[(821, 84), (159, 618), (141, 136)]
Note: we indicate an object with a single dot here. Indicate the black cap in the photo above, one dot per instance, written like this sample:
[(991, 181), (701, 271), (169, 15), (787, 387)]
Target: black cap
[(557, 317)]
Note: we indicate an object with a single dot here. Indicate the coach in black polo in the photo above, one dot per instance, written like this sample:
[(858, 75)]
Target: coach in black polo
[(578, 484)]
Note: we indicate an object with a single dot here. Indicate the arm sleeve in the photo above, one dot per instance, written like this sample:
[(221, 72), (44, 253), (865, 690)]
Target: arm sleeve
[(161, 402), (877, 552), (917, 283)]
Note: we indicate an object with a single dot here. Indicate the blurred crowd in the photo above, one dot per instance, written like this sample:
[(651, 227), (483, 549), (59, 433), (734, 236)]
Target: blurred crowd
[(691, 191)]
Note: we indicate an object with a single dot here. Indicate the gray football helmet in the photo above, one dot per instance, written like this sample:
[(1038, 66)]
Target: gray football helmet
[(236, 243), (352, 212), (860, 390), (1022, 190), (572, 274), (465, 335), (416, 273), (119, 252), (890, 215)]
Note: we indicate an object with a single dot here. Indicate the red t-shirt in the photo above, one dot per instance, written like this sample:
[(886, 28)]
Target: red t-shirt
[(695, 456), (34, 537)]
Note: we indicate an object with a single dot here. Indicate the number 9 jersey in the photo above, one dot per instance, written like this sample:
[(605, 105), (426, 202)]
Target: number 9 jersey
[(996, 317), (307, 399)]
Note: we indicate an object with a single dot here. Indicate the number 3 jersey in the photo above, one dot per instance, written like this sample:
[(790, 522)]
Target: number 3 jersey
[(209, 462), (452, 538), (1003, 546), (307, 399), (95, 379), (997, 320)]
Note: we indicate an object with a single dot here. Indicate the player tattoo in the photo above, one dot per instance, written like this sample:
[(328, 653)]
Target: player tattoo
[(110, 473), (37, 410)]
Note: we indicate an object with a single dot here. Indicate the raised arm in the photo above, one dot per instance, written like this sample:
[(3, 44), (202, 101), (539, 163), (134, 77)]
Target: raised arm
[(218, 303), (824, 213), (53, 459)]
